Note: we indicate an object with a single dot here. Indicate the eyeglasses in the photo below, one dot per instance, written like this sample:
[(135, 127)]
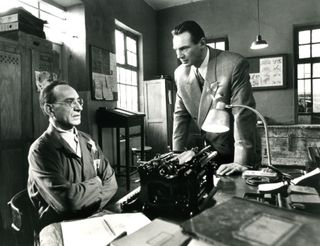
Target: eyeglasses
[(72, 103)]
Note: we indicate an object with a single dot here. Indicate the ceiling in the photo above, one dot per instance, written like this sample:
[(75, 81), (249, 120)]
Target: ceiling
[(162, 4), (155, 4)]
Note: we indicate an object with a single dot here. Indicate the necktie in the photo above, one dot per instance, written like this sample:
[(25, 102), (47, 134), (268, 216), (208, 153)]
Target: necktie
[(199, 78)]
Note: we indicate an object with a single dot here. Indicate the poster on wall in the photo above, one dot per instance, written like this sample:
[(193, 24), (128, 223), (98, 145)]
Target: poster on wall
[(103, 74), (268, 72)]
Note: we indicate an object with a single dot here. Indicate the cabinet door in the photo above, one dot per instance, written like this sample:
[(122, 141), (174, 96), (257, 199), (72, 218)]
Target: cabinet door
[(15, 125), (156, 108)]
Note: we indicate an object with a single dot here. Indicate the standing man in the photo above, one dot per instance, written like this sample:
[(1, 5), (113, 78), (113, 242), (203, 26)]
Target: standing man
[(69, 177), (206, 73)]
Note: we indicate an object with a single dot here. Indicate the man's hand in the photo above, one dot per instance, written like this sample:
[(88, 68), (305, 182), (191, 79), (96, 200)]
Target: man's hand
[(230, 168)]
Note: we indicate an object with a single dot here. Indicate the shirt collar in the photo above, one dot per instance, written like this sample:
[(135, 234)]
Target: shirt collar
[(68, 136), (204, 65)]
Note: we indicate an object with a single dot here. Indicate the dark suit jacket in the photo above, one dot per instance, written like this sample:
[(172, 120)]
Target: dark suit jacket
[(229, 72), (62, 185)]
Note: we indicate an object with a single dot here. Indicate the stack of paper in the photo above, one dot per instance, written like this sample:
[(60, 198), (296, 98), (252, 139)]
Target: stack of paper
[(101, 230)]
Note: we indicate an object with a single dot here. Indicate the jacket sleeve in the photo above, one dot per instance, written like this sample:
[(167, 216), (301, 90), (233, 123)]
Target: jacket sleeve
[(181, 121), (46, 170), (109, 183), (244, 120)]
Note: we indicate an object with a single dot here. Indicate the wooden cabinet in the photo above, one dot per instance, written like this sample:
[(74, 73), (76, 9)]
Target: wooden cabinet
[(159, 96), (289, 143), (21, 120)]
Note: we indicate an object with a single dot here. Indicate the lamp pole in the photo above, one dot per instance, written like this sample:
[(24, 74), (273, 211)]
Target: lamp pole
[(264, 124)]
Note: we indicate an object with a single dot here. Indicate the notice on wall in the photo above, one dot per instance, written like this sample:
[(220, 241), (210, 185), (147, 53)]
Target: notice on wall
[(103, 74)]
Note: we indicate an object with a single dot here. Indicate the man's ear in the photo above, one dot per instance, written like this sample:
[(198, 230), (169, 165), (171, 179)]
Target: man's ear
[(48, 109), (203, 41)]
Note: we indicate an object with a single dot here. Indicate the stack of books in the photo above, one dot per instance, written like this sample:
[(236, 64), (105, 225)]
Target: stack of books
[(19, 19)]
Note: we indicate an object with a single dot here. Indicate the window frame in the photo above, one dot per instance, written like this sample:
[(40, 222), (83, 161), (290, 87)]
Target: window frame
[(221, 39), (127, 66), (314, 118)]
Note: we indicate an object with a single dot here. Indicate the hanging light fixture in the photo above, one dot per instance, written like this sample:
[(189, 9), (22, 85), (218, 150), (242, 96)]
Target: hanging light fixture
[(259, 43)]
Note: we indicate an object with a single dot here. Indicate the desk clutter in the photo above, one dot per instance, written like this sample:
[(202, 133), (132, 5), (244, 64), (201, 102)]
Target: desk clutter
[(301, 193), (168, 208)]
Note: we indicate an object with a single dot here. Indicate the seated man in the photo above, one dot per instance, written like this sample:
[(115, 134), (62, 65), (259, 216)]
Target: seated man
[(69, 176)]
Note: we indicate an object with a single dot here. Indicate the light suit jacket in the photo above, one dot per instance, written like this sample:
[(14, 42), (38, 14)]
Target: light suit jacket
[(228, 75)]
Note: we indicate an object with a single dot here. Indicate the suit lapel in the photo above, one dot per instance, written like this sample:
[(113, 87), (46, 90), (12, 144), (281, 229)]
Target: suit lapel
[(192, 90), (87, 156)]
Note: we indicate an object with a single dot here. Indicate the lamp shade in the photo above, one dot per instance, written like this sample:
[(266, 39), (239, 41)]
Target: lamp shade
[(217, 121), (259, 43)]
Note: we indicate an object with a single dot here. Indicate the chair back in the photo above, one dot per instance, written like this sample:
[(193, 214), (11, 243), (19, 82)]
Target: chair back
[(24, 217)]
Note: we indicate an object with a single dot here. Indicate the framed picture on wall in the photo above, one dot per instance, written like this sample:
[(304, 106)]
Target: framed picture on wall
[(268, 72), (103, 72)]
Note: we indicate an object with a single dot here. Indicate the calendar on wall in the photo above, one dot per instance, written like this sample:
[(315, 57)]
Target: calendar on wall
[(268, 72), (103, 73)]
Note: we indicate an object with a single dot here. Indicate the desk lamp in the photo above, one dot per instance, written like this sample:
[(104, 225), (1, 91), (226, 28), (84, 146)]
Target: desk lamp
[(218, 121)]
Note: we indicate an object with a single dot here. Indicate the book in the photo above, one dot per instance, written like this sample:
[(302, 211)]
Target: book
[(101, 230), (240, 222), (158, 232)]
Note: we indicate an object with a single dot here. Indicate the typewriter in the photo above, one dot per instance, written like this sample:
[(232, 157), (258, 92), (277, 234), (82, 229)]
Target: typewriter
[(175, 184)]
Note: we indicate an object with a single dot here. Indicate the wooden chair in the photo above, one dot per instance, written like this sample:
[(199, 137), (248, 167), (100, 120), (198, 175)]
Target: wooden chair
[(24, 219)]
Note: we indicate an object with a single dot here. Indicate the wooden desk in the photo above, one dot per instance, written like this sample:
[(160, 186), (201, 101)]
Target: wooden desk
[(227, 188), (119, 118)]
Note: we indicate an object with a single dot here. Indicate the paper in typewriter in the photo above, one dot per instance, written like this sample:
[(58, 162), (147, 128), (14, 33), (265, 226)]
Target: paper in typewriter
[(242, 222)]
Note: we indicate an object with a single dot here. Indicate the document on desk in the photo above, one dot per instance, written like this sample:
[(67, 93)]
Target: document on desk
[(157, 233), (101, 230)]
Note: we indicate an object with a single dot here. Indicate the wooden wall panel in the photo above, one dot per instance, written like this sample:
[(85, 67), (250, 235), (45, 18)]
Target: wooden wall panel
[(10, 96)]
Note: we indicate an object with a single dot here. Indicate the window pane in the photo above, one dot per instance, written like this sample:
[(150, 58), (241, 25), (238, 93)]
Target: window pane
[(135, 99), (131, 45), (132, 59), (304, 37), (304, 71), (128, 77), (315, 50), (33, 3), (32, 10), (220, 45), (213, 45), (304, 95), (316, 95), (304, 87), (316, 70), (118, 75), (53, 10), (304, 51), (315, 35), (134, 78), (122, 75), (120, 47)]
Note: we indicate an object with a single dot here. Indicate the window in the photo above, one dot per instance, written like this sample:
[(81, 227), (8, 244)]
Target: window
[(55, 17), (307, 65), (127, 69), (219, 43)]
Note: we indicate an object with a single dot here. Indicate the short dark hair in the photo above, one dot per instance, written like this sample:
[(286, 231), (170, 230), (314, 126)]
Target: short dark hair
[(47, 95), (192, 27)]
